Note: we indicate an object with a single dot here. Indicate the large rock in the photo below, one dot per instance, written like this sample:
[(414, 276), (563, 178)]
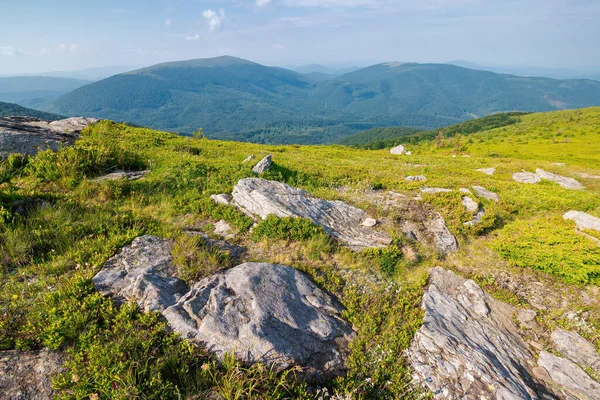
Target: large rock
[(567, 183), (571, 379), (487, 171), (266, 313), (120, 174), (27, 375), (259, 197), (583, 220), (26, 135), (469, 346), (397, 150), (261, 312), (263, 165), (576, 348)]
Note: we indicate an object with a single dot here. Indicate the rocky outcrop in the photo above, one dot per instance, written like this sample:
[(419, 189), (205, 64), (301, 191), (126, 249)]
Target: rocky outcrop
[(248, 159), (567, 183), (266, 313), (26, 375), (526, 177), (486, 194), (26, 135), (583, 220), (576, 348), (469, 346), (263, 165), (573, 382), (260, 198), (261, 312), (130, 176), (223, 229), (397, 150)]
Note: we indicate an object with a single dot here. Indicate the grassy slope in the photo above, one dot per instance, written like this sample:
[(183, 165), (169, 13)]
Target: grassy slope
[(49, 257)]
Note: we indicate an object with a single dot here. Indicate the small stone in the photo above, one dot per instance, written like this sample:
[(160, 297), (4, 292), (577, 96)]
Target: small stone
[(130, 176), (464, 191), (469, 204), (559, 164), (526, 316), (416, 178), (369, 222), (486, 194), (526, 177), (263, 165), (397, 150), (487, 171), (408, 153), (248, 159), (223, 199), (435, 190), (223, 229)]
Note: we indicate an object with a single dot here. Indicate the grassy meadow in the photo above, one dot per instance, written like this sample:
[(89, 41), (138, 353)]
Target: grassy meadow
[(49, 253)]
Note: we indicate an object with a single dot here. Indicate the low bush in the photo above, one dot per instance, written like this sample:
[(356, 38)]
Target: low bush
[(287, 228)]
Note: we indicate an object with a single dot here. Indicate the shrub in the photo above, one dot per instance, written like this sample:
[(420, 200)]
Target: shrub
[(195, 259), (387, 260), (287, 228)]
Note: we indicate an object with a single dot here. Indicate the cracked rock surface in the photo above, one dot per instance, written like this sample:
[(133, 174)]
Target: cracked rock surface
[(260, 198)]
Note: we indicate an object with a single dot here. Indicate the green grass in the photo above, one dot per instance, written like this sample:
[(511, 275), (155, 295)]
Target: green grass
[(49, 254)]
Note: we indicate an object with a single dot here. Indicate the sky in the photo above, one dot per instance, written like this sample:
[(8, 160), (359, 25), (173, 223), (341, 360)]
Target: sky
[(64, 35)]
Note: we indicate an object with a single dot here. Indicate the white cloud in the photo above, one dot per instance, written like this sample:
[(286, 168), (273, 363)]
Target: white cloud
[(11, 52), (195, 37), (278, 47), (263, 3), (215, 20), (168, 22), (70, 48)]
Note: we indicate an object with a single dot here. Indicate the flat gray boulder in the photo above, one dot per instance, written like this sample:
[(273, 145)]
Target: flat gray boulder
[(469, 346), (415, 178), (572, 380), (266, 313), (260, 198), (433, 190), (526, 177), (263, 165), (130, 176), (143, 271), (223, 199), (486, 194), (28, 375), (583, 220), (567, 183), (469, 204)]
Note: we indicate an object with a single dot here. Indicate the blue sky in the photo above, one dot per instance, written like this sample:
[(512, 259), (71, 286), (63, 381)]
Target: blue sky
[(44, 35)]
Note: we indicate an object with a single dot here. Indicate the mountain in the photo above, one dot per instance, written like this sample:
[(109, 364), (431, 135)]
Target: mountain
[(557, 73), (324, 69), (13, 110), (92, 74), (377, 138), (236, 99), (35, 91)]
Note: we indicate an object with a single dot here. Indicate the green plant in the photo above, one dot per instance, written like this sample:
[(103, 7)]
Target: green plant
[(195, 259), (286, 228)]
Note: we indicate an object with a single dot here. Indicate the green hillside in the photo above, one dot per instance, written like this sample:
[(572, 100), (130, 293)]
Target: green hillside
[(8, 110), (50, 252), (236, 99), (379, 138)]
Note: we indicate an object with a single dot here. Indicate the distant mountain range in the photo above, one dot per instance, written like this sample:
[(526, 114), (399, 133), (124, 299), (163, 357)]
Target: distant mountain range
[(36, 91), (557, 73), (236, 99)]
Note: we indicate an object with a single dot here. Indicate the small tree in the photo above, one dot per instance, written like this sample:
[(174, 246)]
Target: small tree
[(199, 134)]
